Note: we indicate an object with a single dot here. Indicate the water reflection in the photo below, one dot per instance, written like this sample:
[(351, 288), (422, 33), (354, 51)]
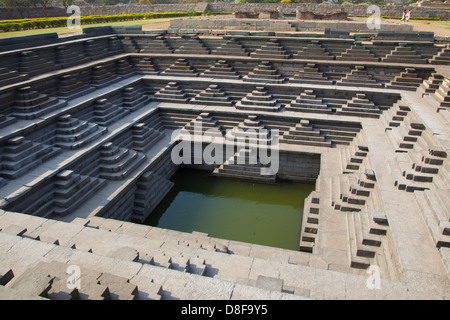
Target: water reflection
[(237, 210)]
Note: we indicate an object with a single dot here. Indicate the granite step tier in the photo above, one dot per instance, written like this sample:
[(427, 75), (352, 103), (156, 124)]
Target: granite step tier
[(264, 72), (443, 57), (30, 104), (271, 50), (357, 52), (49, 279), (181, 68), (407, 80), (114, 45), (251, 130), (394, 116), (102, 77), (230, 47), (117, 163), (308, 102), (244, 166), (69, 56), (360, 106), (221, 70), (424, 166), (151, 189), (145, 65), (213, 95), (134, 98), (404, 54), (310, 74), (8, 77), (359, 77), (50, 283), (353, 157), (442, 95), (432, 84), (205, 124), (171, 93), (103, 112), (124, 68), (305, 134), (130, 44), (176, 120), (140, 272), (341, 197), (158, 45), (32, 64), (72, 133), (145, 137), (71, 190), (405, 136), (19, 156), (310, 223), (434, 206), (6, 120), (362, 244), (192, 45), (313, 51), (70, 87), (96, 50), (259, 100)]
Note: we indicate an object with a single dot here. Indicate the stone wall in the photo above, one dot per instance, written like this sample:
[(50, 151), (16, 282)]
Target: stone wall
[(8, 14), (386, 10), (288, 9), (299, 167)]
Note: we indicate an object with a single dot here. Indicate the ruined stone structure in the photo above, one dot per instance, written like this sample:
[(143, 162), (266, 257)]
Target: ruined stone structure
[(430, 9), (85, 155)]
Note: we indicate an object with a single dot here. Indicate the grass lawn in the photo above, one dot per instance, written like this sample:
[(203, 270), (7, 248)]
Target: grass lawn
[(66, 31)]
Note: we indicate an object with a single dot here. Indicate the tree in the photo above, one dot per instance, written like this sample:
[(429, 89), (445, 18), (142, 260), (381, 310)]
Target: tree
[(67, 3), (20, 5), (45, 4)]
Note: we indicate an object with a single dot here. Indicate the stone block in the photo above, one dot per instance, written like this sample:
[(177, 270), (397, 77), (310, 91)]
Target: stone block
[(269, 283)]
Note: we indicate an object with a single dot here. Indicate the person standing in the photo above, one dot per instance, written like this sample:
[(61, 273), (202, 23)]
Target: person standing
[(404, 15), (408, 15)]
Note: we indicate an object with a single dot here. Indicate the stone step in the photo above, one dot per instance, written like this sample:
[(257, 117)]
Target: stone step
[(109, 255), (122, 167), (230, 173), (359, 254), (12, 169), (72, 200), (434, 225)]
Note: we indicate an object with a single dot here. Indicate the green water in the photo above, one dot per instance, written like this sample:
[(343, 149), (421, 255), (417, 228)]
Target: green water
[(236, 210)]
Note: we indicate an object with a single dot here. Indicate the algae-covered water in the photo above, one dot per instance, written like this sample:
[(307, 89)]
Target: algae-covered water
[(266, 214)]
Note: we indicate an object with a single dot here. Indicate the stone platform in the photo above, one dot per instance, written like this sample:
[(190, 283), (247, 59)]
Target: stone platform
[(304, 24)]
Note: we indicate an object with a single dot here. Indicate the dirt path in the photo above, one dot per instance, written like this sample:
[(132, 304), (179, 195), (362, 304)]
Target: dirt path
[(157, 26), (439, 30)]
